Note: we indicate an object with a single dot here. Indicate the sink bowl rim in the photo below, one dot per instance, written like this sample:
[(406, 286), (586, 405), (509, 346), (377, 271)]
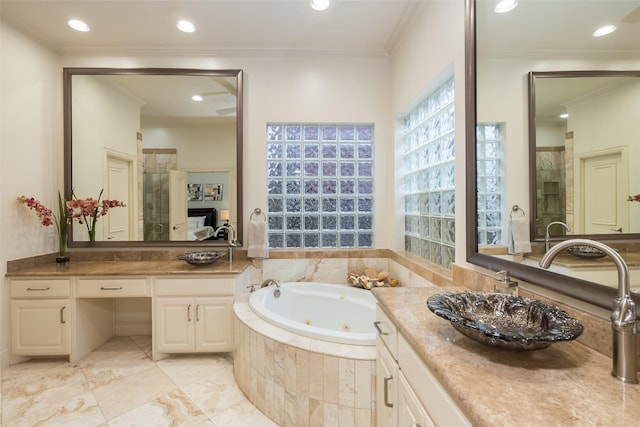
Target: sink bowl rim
[(561, 326)]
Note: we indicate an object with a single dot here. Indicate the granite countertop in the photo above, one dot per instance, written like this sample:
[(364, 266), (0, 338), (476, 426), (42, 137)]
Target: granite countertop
[(130, 268), (566, 384)]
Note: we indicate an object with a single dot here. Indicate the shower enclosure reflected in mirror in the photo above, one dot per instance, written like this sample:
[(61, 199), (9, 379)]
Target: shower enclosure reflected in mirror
[(166, 142)]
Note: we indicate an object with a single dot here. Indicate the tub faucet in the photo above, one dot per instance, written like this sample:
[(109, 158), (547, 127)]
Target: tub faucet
[(623, 316), (232, 237), (270, 282), (546, 236)]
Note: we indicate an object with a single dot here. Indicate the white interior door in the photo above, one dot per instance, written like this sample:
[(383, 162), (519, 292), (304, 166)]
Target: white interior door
[(117, 224), (177, 205), (604, 194)]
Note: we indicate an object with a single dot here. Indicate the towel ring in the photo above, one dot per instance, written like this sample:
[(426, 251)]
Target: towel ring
[(516, 208), (257, 211)]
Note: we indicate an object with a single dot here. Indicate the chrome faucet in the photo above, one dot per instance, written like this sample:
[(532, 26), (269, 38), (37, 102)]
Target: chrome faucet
[(623, 316), (546, 236), (270, 282), (231, 238)]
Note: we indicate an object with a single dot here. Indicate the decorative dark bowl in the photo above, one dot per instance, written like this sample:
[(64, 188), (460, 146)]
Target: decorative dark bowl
[(505, 321), (584, 251), (201, 257)]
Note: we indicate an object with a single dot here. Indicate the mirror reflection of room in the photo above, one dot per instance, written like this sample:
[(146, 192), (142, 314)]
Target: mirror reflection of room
[(149, 128)]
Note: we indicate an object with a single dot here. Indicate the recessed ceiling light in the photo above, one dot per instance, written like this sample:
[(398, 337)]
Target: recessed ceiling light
[(197, 98), (186, 26), (603, 31), (505, 6), (564, 115), (319, 4), (78, 25)]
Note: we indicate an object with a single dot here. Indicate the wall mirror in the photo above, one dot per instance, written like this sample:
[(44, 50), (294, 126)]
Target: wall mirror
[(508, 54), (167, 142), (583, 141)]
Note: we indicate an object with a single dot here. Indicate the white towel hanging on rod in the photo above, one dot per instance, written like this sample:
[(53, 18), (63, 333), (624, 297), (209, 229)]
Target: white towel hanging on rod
[(257, 244)]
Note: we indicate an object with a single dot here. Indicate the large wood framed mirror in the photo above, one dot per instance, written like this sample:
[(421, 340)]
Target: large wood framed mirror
[(166, 142), (504, 51)]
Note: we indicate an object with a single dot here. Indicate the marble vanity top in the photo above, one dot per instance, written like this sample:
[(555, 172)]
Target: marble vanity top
[(130, 268), (567, 384)]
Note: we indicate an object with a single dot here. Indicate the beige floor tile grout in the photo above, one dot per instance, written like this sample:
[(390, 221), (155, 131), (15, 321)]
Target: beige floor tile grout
[(172, 405)]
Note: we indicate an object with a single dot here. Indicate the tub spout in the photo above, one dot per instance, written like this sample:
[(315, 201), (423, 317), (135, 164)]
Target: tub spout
[(623, 315), (270, 282)]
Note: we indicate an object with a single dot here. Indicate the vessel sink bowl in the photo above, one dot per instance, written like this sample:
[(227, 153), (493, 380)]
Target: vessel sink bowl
[(584, 251), (201, 257), (505, 321)]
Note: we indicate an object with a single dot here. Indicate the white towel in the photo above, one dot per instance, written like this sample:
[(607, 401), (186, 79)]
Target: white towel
[(257, 238), (519, 236)]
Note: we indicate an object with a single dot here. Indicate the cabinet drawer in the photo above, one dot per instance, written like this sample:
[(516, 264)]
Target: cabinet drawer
[(53, 288), (192, 286), (441, 407), (110, 288), (387, 331)]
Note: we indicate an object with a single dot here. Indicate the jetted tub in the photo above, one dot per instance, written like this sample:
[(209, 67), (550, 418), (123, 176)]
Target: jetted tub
[(336, 313)]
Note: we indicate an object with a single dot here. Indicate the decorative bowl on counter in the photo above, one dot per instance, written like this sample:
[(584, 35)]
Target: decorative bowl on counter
[(584, 251), (505, 321), (201, 257)]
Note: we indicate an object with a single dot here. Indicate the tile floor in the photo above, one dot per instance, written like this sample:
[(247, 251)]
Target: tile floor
[(119, 385)]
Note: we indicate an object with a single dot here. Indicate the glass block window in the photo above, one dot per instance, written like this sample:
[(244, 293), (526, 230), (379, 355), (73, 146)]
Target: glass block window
[(429, 174), (320, 185), (489, 140)]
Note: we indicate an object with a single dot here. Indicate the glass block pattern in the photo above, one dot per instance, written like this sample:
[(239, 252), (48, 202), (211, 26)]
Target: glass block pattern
[(320, 185), (489, 143), (429, 173)]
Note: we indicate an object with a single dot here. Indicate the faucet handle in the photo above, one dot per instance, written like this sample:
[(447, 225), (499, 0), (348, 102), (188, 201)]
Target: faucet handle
[(503, 275)]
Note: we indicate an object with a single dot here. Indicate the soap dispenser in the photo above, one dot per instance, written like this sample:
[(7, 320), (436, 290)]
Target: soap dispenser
[(506, 285)]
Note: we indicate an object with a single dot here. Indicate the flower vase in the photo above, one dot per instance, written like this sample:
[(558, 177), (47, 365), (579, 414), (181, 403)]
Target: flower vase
[(92, 236), (62, 257)]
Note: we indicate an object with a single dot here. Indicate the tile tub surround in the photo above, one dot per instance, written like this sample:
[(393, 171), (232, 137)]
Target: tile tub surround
[(567, 384), (300, 381)]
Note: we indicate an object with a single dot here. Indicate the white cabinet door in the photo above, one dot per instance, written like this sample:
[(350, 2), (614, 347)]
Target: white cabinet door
[(174, 325), (386, 387), (40, 327), (214, 324), (188, 325), (411, 413)]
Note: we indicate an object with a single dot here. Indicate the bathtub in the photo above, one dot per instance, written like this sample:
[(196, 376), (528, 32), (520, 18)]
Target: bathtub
[(336, 313)]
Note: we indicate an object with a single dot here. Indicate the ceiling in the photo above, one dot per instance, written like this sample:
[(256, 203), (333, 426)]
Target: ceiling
[(559, 26), (221, 25)]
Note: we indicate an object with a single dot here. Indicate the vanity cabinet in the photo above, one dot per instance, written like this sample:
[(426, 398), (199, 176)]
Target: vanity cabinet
[(40, 317), (193, 315), (407, 393)]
